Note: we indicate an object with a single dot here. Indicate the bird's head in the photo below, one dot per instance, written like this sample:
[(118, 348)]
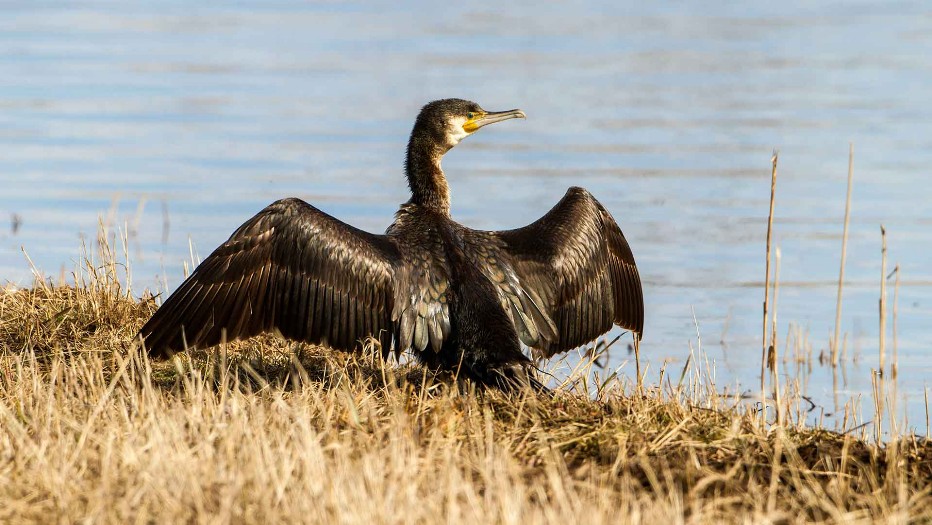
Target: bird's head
[(450, 120)]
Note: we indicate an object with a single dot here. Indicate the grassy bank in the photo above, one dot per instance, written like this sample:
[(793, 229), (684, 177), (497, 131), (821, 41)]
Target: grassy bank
[(270, 431)]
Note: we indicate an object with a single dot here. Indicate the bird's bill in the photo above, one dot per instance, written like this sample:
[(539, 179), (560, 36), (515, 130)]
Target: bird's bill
[(491, 118)]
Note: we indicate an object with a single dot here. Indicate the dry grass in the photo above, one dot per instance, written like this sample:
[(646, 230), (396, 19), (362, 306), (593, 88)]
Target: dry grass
[(270, 431)]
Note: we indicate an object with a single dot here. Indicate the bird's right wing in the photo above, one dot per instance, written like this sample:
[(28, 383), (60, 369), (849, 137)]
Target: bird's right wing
[(291, 268)]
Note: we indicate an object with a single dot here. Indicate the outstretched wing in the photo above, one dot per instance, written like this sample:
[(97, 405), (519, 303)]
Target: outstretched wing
[(577, 261), (292, 268)]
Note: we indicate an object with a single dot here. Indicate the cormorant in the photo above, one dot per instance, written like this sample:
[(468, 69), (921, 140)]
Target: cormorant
[(459, 299)]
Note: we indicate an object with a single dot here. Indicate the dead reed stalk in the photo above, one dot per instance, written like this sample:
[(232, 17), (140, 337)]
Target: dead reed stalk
[(894, 368), (925, 395), (764, 342), (844, 255), (773, 357), (883, 297)]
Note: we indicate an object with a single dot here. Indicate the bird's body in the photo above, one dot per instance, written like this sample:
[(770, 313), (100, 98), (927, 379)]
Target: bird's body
[(460, 299)]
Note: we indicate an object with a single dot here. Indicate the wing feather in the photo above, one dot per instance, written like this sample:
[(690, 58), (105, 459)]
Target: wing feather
[(291, 267), (576, 261)]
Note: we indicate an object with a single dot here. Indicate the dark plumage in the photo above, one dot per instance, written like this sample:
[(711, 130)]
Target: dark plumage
[(460, 299)]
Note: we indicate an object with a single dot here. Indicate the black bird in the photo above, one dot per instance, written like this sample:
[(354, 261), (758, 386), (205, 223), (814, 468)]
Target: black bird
[(459, 299)]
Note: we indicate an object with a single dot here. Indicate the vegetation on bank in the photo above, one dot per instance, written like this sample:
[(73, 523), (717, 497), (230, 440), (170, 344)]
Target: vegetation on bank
[(272, 431)]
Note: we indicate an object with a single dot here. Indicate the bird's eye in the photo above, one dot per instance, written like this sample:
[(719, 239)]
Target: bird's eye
[(470, 115)]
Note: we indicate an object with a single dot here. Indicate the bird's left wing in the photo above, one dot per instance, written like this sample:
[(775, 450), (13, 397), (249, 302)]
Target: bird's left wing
[(577, 261)]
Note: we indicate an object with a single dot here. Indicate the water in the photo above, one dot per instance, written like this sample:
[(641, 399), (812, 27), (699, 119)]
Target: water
[(150, 114)]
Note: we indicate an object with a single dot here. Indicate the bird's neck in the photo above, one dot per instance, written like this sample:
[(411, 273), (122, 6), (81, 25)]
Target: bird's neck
[(425, 177)]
